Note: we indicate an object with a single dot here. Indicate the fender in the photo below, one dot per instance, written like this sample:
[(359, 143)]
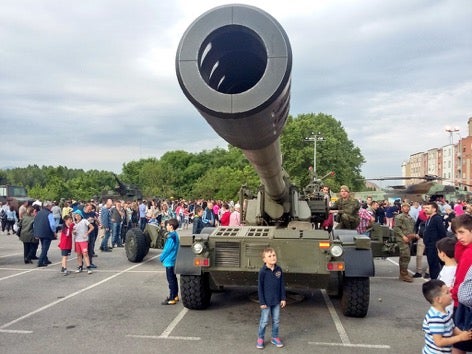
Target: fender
[(358, 263), (184, 262)]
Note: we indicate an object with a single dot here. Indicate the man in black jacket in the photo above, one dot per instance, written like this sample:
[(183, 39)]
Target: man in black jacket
[(44, 228), (434, 231)]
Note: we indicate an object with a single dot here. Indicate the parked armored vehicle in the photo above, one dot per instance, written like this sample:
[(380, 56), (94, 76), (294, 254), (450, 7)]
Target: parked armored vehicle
[(234, 65), (123, 191)]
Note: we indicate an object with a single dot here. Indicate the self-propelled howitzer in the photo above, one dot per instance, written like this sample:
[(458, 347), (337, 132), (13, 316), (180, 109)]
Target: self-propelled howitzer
[(234, 65)]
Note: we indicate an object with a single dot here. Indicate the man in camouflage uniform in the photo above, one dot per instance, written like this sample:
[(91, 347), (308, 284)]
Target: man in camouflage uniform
[(404, 232), (347, 209)]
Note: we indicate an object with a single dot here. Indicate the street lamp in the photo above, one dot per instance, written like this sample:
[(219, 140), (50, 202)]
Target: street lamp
[(457, 170), (451, 131), (314, 137)]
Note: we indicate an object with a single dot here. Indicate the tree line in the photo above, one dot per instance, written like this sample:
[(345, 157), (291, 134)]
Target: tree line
[(216, 173)]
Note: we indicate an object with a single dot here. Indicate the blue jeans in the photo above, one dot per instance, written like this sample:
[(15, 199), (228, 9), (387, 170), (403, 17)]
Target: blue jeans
[(274, 312), (104, 244), (142, 223), (116, 233), (43, 257)]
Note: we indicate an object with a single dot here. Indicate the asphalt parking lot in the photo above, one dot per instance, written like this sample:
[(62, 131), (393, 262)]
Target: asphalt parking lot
[(117, 310)]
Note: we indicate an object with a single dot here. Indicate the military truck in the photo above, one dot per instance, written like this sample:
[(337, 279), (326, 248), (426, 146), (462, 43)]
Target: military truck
[(234, 65)]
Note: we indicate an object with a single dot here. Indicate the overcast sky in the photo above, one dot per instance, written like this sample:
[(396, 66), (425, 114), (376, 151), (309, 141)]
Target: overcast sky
[(91, 84)]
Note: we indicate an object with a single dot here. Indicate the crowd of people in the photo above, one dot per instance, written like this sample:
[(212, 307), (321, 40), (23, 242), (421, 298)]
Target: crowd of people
[(438, 229), (39, 223), (442, 231)]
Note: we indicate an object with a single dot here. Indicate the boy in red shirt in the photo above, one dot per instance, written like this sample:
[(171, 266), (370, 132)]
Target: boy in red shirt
[(462, 228)]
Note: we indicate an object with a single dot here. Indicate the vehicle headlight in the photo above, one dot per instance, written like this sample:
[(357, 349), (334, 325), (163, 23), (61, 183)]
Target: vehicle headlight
[(198, 247), (336, 250)]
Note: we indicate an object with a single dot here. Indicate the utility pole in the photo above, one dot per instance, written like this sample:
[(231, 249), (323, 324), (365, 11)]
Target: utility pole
[(457, 172), (315, 138)]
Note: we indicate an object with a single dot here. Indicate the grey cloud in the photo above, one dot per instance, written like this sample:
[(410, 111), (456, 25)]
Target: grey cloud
[(98, 77)]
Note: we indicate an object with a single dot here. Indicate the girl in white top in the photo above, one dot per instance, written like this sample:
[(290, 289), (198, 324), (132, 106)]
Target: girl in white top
[(81, 231)]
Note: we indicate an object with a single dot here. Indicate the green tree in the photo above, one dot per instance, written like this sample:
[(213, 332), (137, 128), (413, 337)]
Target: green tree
[(216, 173), (335, 153), (223, 183)]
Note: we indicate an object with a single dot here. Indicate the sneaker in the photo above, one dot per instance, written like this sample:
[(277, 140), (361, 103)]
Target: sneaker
[(176, 299), (417, 275), (66, 272), (427, 276), (168, 302), (63, 269), (79, 270), (260, 343), (277, 342), (89, 270), (92, 266)]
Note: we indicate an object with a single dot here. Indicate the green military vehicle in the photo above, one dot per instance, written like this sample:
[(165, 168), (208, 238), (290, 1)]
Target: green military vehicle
[(122, 191), (234, 64)]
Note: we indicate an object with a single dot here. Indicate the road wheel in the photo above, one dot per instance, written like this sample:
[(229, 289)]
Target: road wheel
[(356, 296), (195, 291), (136, 245)]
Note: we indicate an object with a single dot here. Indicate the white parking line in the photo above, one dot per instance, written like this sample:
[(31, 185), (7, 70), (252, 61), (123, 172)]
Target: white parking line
[(334, 315), (6, 325), (10, 255), (367, 346), (29, 270), (345, 341), (169, 329), (17, 274)]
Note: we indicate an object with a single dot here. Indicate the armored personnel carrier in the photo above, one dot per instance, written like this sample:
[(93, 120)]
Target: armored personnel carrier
[(234, 65)]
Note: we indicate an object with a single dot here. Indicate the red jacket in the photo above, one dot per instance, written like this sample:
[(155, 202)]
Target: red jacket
[(224, 221), (65, 243), (463, 256)]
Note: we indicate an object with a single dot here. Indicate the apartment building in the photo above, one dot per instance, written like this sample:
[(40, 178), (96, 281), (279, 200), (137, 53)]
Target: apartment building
[(453, 162)]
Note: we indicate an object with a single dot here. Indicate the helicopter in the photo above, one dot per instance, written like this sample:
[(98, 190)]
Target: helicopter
[(429, 189)]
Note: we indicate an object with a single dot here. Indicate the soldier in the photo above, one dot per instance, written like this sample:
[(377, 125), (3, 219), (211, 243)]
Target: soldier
[(404, 232), (347, 209)]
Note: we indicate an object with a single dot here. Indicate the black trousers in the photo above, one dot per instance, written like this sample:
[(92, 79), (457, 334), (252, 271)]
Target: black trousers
[(173, 284), (29, 250), (434, 262)]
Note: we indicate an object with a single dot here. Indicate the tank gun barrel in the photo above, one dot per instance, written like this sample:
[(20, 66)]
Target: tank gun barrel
[(234, 65)]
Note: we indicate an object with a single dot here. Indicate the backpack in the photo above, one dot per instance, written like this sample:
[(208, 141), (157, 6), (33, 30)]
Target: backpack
[(3, 214)]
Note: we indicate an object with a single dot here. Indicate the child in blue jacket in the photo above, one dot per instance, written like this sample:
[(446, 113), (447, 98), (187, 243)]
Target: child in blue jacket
[(167, 257), (272, 297)]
